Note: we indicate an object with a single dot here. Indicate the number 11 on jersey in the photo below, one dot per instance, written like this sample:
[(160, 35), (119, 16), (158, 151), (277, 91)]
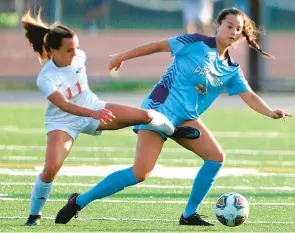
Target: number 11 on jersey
[(71, 93)]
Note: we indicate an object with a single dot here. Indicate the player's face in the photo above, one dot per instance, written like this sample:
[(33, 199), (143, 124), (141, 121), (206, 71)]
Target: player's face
[(230, 29), (65, 54)]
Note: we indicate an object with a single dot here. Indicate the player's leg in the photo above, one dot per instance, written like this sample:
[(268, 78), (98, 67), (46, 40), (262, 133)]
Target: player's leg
[(144, 163), (129, 116), (211, 152), (59, 145)]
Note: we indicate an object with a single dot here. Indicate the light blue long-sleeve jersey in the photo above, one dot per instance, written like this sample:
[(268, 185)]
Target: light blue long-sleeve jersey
[(195, 78)]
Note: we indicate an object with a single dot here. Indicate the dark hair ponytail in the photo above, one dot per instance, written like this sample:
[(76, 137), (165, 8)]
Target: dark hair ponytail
[(250, 31), (43, 37), (35, 30)]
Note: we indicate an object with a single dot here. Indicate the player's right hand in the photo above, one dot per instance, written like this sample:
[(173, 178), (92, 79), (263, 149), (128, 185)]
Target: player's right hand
[(115, 62), (103, 115)]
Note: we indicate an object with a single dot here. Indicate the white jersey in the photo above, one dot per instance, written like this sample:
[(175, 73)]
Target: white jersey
[(72, 82)]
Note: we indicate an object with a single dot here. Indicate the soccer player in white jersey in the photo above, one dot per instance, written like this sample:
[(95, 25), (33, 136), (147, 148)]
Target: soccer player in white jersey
[(73, 108), (201, 70)]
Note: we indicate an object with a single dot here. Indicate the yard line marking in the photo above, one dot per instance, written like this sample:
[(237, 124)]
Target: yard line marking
[(158, 171), (144, 220), (149, 201), (131, 159), (276, 188), (165, 150), (223, 134)]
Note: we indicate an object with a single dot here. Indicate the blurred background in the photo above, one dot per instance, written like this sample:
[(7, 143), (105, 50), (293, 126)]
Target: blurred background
[(106, 27)]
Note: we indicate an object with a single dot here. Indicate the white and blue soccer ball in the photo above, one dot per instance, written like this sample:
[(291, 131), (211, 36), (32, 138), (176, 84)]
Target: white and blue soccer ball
[(232, 209)]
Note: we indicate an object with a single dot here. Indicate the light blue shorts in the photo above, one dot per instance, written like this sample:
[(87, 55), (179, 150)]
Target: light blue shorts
[(174, 119)]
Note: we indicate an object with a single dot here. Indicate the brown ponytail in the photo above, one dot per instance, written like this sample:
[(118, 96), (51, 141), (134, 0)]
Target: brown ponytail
[(35, 30), (250, 31), (43, 37)]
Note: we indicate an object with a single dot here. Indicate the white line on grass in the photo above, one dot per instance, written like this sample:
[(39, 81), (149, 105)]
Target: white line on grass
[(165, 150), (149, 186), (223, 134), (145, 220), (102, 171), (149, 202), (161, 160), (158, 171)]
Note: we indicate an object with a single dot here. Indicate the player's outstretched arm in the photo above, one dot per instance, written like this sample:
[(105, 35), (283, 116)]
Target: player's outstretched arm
[(58, 99), (257, 104), (116, 60)]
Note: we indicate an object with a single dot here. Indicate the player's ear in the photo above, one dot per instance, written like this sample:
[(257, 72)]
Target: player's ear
[(218, 25)]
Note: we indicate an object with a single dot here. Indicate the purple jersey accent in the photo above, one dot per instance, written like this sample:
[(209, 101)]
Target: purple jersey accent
[(159, 94), (193, 38)]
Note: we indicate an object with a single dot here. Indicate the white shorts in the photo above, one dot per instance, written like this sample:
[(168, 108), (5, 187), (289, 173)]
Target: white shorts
[(198, 10), (86, 125)]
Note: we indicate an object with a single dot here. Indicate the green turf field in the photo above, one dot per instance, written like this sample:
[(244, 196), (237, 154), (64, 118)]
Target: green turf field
[(260, 165)]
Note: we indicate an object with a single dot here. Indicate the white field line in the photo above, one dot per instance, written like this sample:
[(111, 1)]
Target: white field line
[(151, 202), (228, 134), (161, 160), (159, 171), (102, 171), (130, 149), (148, 186), (144, 220)]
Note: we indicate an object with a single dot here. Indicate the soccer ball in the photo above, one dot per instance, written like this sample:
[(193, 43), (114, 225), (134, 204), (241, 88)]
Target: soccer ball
[(232, 209)]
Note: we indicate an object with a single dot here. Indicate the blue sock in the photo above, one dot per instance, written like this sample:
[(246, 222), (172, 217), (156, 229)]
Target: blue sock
[(201, 186), (113, 183), (39, 196)]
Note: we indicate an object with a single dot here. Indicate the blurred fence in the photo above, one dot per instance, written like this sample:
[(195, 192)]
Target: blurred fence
[(124, 24)]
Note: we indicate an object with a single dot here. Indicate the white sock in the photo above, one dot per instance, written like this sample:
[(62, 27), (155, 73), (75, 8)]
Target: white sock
[(39, 196), (161, 123)]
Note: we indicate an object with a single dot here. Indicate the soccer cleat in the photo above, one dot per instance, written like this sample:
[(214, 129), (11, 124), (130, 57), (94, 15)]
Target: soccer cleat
[(33, 220), (70, 210), (194, 220), (186, 132)]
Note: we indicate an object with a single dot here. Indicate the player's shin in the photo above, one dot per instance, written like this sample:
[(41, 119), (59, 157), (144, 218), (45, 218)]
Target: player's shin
[(201, 186), (111, 184), (39, 196)]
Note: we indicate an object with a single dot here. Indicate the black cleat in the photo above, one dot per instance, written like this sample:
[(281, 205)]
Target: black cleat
[(33, 220), (194, 220), (186, 132), (70, 210)]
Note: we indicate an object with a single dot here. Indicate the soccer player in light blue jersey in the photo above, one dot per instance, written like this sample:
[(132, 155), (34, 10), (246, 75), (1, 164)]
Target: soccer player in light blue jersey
[(72, 107), (201, 71)]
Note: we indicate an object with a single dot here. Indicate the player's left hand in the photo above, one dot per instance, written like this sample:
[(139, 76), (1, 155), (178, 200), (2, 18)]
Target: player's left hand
[(278, 114), (115, 62)]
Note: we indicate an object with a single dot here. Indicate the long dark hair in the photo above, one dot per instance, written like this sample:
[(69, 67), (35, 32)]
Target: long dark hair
[(250, 31), (43, 37)]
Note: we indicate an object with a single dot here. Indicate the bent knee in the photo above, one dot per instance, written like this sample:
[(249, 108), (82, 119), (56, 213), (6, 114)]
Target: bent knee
[(219, 157), (141, 176), (49, 172)]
